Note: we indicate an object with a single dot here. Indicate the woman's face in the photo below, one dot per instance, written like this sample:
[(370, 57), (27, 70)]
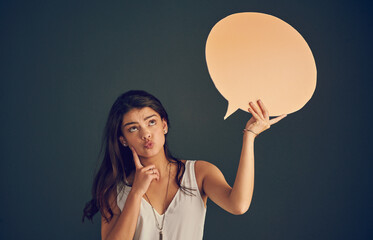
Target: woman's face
[(144, 130)]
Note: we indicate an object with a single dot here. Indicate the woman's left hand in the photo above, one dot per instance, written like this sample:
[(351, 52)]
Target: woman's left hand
[(260, 122)]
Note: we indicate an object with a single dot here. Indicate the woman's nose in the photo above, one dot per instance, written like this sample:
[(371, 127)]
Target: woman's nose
[(146, 135)]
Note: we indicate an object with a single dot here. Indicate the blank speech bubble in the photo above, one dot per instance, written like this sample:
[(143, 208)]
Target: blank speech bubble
[(253, 56)]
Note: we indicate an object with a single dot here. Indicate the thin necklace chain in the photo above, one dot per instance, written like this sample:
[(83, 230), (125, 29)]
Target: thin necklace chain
[(164, 204)]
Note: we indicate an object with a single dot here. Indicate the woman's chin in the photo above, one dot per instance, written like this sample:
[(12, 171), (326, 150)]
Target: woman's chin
[(149, 152)]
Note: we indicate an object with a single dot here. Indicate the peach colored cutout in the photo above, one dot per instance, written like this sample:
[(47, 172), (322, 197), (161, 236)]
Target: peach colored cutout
[(253, 56)]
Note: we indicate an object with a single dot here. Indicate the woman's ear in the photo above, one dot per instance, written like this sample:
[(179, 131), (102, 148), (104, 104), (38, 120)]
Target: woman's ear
[(165, 126), (123, 141)]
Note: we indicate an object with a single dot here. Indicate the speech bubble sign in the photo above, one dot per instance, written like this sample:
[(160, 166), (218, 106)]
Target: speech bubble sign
[(253, 56)]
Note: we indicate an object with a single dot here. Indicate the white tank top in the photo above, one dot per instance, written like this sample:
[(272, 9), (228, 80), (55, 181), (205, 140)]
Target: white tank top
[(185, 216)]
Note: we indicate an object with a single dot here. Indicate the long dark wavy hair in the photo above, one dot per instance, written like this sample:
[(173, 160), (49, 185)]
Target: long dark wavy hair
[(117, 161)]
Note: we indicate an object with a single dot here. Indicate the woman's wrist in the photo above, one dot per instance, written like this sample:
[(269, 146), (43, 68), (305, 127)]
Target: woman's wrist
[(249, 132), (135, 194), (247, 135)]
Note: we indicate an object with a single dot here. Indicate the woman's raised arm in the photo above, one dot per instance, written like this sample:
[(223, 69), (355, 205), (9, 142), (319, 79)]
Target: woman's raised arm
[(237, 200)]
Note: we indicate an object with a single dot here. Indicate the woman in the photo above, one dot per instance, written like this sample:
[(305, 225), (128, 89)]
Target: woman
[(143, 192)]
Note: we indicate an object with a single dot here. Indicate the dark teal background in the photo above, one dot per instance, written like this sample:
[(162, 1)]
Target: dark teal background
[(63, 63)]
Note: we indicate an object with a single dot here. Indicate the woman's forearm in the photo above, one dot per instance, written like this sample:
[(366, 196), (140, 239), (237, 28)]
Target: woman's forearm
[(125, 226), (243, 187)]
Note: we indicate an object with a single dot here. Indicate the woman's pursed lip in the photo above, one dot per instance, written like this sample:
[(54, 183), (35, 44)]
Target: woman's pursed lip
[(149, 144)]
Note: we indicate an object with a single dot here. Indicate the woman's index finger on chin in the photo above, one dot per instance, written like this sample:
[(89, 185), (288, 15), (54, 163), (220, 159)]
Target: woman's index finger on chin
[(136, 159)]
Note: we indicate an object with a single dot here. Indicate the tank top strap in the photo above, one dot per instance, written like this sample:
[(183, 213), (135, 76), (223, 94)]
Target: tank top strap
[(189, 179)]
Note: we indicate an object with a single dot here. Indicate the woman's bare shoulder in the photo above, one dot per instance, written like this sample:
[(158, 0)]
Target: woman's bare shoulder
[(205, 169), (204, 166)]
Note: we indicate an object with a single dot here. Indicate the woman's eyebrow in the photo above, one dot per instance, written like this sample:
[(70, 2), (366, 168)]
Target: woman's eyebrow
[(137, 122)]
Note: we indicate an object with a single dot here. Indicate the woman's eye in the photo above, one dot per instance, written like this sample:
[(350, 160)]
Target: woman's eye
[(152, 122), (132, 129)]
